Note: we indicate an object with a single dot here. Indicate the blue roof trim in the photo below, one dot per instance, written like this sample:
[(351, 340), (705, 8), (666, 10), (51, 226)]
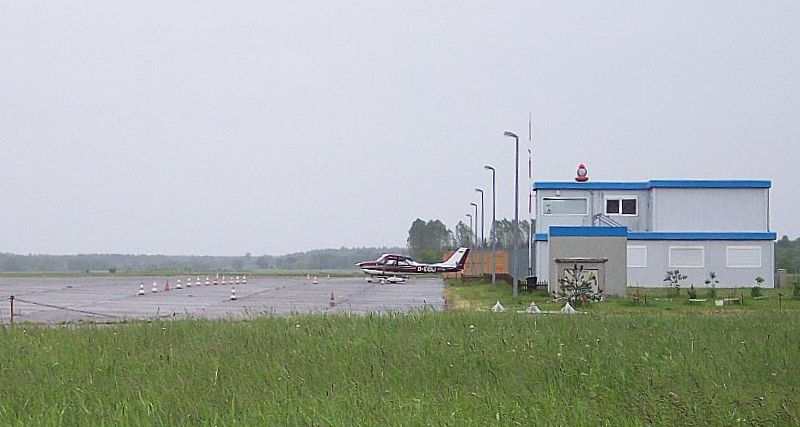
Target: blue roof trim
[(568, 185), (655, 235), (650, 235), (564, 231)]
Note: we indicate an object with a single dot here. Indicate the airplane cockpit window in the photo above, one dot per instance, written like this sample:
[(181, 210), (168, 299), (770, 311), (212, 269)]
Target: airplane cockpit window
[(402, 262), (381, 260), (391, 262)]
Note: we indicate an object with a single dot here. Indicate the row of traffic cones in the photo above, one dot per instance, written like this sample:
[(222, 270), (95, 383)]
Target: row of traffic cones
[(166, 288), (314, 281), (238, 280)]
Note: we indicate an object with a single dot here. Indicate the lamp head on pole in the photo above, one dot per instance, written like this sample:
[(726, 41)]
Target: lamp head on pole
[(511, 134), (479, 190), (487, 167), (474, 204)]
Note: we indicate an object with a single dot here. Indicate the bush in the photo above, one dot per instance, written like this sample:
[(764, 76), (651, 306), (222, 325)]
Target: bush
[(691, 292), (755, 291), (673, 280)]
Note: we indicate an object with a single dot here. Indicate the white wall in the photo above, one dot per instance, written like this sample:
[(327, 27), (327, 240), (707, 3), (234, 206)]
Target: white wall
[(709, 209), (715, 256)]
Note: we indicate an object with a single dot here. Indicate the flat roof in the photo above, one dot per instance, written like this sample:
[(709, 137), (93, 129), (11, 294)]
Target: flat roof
[(646, 185)]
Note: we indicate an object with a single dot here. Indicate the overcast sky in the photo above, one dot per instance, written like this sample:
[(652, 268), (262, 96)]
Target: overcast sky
[(221, 128)]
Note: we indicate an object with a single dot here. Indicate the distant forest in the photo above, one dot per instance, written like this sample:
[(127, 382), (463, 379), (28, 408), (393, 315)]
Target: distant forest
[(320, 259), (787, 254)]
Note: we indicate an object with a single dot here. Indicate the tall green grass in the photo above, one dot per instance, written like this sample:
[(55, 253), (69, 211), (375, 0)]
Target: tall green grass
[(462, 368)]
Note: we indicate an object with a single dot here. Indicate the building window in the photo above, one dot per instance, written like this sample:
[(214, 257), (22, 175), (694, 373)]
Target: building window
[(743, 256), (621, 205), (687, 256), (637, 256), (564, 206)]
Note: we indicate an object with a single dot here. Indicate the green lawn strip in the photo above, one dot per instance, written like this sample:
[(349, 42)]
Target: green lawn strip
[(483, 295)]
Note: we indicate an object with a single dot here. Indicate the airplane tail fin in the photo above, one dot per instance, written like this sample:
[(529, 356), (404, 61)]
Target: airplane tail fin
[(458, 259)]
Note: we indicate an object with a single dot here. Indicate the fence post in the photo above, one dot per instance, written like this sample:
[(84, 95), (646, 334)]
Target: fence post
[(12, 308)]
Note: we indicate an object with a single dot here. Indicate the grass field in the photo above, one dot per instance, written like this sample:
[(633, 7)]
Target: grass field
[(454, 368)]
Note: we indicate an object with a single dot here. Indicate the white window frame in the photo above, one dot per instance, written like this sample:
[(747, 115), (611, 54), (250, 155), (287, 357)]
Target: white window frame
[(620, 197), (586, 211), (728, 256), (702, 255), (645, 256)]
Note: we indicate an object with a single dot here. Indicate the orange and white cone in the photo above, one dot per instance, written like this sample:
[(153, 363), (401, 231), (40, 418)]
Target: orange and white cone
[(155, 288), (216, 282), (314, 281), (141, 289), (188, 282), (178, 285), (237, 280), (207, 282), (223, 280), (233, 294), (244, 280), (333, 300), (166, 286)]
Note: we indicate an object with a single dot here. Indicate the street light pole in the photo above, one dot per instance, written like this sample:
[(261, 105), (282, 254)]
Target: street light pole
[(483, 238), (491, 229), (515, 230), (477, 245), (469, 238)]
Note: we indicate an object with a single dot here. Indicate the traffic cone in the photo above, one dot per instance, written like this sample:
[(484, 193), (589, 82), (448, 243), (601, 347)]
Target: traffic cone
[(498, 308), (178, 285), (207, 282), (308, 277), (155, 288), (244, 280), (329, 277), (141, 289), (216, 282), (314, 282), (188, 282), (333, 300), (533, 308), (233, 294), (237, 280), (166, 286), (223, 280), (198, 282)]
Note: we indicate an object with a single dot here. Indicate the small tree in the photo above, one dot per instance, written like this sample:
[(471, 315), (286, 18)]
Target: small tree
[(674, 279), (691, 292), (796, 289), (575, 285), (712, 283), (755, 291)]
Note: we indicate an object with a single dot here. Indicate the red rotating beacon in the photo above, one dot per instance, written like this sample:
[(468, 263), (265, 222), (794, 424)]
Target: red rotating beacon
[(583, 174)]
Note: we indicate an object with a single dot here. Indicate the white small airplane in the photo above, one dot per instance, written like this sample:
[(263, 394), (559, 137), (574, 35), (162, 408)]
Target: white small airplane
[(394, 268)]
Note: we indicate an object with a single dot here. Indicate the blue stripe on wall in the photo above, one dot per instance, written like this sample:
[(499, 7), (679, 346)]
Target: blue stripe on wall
[(567, 185), (654, 235), (565, 231)]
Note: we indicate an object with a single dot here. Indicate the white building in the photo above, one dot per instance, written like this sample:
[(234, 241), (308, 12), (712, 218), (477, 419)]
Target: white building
[(693, 226)]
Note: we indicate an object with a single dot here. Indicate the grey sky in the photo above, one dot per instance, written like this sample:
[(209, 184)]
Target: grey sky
[(232, 127)]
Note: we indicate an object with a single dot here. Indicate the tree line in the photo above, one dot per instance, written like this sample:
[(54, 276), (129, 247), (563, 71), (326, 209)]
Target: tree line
[(787, 254), (428, 240), (319, 259)]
